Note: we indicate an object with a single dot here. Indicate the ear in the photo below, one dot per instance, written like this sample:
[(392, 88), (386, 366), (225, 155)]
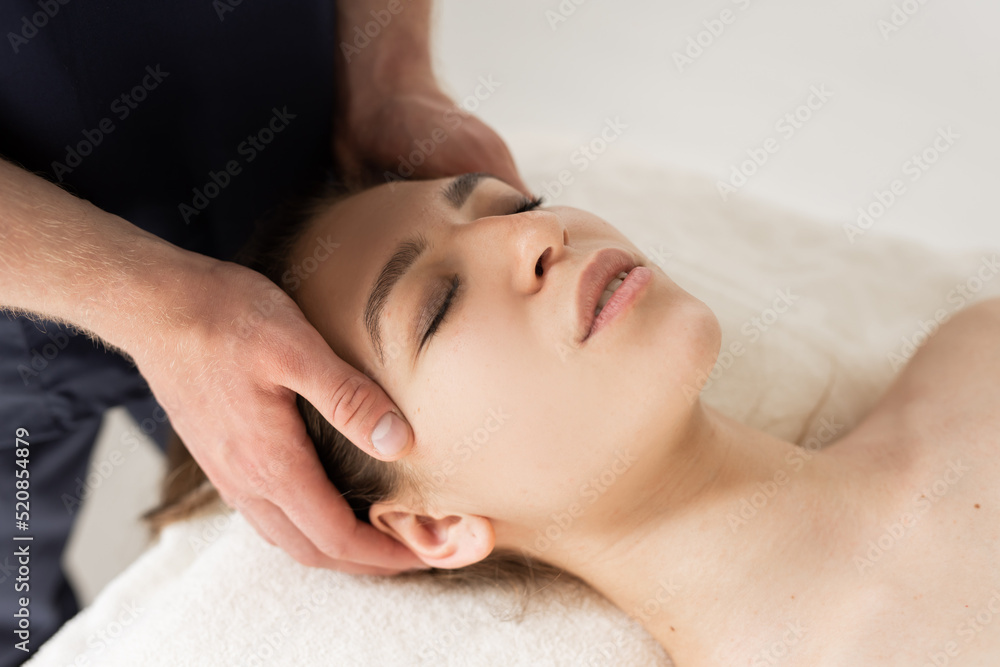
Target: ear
[(445, 541)]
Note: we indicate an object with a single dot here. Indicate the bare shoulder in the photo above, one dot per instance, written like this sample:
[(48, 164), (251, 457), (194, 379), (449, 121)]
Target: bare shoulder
[(952, 383)]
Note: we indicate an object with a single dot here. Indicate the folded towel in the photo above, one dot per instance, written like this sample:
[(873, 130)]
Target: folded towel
[(815, 327)]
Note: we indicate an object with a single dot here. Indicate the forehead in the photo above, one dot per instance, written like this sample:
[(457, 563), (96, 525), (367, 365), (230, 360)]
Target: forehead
[(339, 255)]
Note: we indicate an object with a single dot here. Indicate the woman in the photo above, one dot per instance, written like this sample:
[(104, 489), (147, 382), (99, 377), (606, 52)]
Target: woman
[(581, 442)]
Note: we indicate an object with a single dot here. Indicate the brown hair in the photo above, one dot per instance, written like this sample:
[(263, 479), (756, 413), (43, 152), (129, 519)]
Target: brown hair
[(361, 479)]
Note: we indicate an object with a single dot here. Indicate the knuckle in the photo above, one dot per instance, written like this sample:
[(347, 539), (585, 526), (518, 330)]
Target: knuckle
[(270, 471), (353, 402), (279, 466), (255, 478)]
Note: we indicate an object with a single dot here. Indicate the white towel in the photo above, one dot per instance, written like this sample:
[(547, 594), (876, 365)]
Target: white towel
[(211, 592)]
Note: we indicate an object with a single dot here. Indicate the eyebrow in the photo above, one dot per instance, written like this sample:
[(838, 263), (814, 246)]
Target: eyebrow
[(407, 252)]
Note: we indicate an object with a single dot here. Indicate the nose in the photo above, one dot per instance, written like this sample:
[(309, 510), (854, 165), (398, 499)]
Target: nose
[(534, 239)]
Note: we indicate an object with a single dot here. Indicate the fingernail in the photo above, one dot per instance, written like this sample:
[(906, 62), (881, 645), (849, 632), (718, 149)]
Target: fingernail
[(389, 436)]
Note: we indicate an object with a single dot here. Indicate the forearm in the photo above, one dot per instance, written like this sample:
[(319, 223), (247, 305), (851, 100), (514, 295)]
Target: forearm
[(397, 53), (66, 260)]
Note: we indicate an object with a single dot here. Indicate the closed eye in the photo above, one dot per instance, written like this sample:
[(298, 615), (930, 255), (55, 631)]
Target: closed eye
[(455, 282)]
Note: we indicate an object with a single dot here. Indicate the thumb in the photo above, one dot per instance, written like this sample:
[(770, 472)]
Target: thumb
[(357, 407)]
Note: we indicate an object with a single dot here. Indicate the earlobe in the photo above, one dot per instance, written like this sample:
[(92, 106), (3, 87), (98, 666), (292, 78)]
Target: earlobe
[(447, 541)]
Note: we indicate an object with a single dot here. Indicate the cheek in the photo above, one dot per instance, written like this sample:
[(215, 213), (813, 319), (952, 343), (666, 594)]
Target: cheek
[(511, 427), (488, 411), (460, 405)]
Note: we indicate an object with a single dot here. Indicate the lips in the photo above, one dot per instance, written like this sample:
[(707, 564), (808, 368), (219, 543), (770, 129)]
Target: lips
[(605, 265)]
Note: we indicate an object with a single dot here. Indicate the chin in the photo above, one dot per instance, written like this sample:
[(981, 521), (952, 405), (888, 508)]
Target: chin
[(688, 346), (708, 339)]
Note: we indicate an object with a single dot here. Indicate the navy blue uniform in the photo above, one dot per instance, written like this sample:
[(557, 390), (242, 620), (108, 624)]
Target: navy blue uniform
[(188, 118)]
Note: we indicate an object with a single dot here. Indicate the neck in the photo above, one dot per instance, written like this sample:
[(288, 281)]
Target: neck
[(714, 536)]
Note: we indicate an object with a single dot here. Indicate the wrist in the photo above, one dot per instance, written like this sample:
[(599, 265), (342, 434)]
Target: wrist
[(370, 84), (153, 281), (391, 57)]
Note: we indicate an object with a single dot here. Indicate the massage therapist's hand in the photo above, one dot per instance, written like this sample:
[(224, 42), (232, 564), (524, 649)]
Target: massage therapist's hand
[(224, 351), (225, 360), (420, 127), (394, 116)]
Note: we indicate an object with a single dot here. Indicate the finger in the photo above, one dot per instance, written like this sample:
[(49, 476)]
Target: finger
[(505, 168), (319, 511), (516, 181), (476, 154), (495, 157), (260, 530), (355, 405), (274, 526), (341, 566)]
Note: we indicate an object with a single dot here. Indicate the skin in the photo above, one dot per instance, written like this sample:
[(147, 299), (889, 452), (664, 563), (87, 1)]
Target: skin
[(224, 350), (656, 533)]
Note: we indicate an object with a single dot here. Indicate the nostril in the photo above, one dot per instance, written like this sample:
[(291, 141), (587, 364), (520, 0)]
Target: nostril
[(538, 265)]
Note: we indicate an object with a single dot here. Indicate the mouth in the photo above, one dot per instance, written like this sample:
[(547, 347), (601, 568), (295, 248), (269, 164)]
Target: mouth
[(603, 275)]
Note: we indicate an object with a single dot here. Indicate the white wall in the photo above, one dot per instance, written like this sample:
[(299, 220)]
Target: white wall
[(889, 94)]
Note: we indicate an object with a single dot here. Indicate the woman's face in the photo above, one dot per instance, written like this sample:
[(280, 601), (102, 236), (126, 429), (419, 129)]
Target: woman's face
[(514, 418)]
